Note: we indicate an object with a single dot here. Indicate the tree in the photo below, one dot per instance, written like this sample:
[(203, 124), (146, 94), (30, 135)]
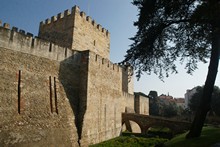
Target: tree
[(153, 94), (195, 99), (170, 110), (154, 104), (178, 30), (215, 103)]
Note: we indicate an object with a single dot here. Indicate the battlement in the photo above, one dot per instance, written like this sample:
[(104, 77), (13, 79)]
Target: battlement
[(19, 40), (73, 12), (104, 62), (127, 95)]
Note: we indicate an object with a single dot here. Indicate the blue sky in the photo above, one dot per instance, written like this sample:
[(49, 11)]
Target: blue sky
[(115, 15)]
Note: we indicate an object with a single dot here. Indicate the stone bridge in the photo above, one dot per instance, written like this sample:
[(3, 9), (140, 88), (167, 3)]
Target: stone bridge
[(146, 121)]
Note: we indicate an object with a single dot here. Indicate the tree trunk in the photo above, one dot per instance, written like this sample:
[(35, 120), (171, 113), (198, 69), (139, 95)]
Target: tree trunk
[(205, 103)]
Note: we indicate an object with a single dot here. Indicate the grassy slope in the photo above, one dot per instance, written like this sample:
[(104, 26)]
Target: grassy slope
[(125, 141), (210, 136)]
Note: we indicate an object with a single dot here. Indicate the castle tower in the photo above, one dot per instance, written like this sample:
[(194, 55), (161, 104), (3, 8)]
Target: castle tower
[(73, 29)]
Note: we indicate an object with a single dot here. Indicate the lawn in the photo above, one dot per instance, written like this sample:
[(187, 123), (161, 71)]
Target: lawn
[(209, 137), (131, 141)]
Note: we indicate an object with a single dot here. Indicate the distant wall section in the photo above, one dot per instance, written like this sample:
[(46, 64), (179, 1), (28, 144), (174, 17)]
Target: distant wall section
[(141, 104), (105, 100)]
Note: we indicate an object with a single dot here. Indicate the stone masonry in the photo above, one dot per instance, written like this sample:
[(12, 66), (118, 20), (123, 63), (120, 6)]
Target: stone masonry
[(60, 88)]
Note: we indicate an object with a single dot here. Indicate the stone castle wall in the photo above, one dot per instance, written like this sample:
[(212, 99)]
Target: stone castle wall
[(141, 104), (105, 100), (57, 96), (34, 107), (75, 30)]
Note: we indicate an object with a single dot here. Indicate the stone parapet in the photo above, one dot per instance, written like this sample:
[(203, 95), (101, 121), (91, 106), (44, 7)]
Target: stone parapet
[(19, 40), (73, 11)]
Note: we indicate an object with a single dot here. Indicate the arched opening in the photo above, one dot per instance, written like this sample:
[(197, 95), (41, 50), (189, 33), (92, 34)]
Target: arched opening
[(135, 127), (130, 127)]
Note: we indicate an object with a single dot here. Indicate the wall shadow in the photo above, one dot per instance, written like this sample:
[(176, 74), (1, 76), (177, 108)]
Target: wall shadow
[(73, 75)]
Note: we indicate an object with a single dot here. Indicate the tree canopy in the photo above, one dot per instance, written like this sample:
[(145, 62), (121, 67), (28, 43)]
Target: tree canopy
[(215, 103), (187, 31), (170, 31)]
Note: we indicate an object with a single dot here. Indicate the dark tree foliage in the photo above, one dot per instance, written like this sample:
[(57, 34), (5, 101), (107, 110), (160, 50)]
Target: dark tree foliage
[(153, 94), (215, 103), (195, 100), (170, 110), (154, 103), (162, 107), (154, 107), (185, 31)]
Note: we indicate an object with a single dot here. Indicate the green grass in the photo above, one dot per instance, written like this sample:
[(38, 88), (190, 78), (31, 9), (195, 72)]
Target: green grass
[(126, 141), (210, 136)]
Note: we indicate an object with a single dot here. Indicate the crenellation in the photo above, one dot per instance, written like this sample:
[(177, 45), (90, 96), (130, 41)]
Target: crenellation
[(22, 31), (111, 65), (83, 14), (76, 9), (99, 27), (104, 62), (107, 33), (94, 23), (127, 95), (25, 42), (57, 65), (33, 45), (47, 21), (29, 34), (15, 29), (67, 12), (53, 18), (52, 30), (60, 16), (103, 30), (6, 26), (89, 19), (42, 23)]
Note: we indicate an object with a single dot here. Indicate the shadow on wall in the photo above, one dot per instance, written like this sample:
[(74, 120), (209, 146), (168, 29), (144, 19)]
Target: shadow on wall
[(73, 77)]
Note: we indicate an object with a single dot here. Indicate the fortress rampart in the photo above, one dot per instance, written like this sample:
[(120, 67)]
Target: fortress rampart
[(21, 41), (74, 30), (25, 42), (74, 10), (54, 95)]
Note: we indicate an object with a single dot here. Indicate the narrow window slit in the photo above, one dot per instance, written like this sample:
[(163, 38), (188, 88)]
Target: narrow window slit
[(94, 43), (50, 48), (51, 95), (96, 57), (65, 52), (19, 92), (55, 95), (32, 43)]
